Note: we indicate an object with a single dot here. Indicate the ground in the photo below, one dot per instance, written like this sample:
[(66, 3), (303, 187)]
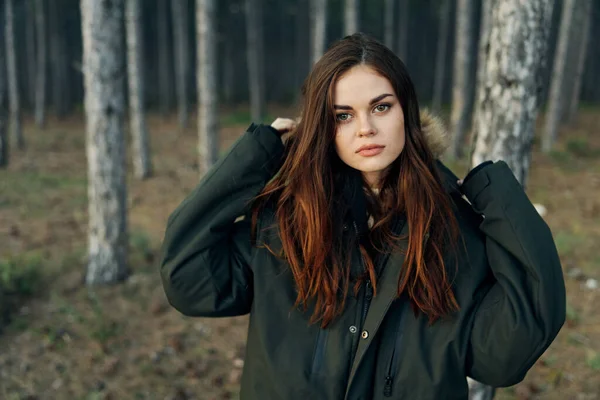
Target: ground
[(65, 341)]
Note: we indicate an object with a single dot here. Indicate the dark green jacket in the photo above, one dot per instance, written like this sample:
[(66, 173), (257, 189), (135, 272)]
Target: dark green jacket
[(509, 287)]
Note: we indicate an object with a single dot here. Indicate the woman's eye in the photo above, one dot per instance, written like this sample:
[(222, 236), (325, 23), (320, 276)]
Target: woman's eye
[(342, 117), (382, 107)]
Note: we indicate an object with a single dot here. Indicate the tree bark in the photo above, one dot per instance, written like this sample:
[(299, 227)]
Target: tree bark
[(137, 119), (440, 58), (104, 74), (403, 21), (11, 74), (58, 60), (41, 62), (509, 99), (351, 17), (461, 81), (556, 104), (318, 17), (4, 140), (587, 15), (207, 78), (30, 46), (388, 22), (484, 42), (165, 83), (255, 54), (182, 58)]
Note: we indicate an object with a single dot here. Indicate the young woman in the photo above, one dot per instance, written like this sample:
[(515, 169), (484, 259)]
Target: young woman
[(368, 269)]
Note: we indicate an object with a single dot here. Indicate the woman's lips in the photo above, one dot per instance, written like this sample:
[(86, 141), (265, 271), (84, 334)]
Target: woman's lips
[(371, 151)]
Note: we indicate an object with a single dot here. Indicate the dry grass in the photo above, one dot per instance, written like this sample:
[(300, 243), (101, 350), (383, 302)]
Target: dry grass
[(124, 342)]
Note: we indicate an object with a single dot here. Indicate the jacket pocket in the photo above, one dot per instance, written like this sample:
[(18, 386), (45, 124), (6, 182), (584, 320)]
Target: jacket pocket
[(319, 353), (394, 360)]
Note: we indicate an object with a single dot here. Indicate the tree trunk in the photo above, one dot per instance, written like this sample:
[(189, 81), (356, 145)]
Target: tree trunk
[(461, 80), (587, 15), (229, 81), (207, 91), (509, 99), (30, 46), (318, 17), (479, 391), (164, 59), (104, 74), (484, 41), (351, 17), (403, 13), (4, 141), (137, 119), (442, 49), (388, 21), (556, 104), (11, 74), (255, 54), (182, 58), (58, 60), (41, 62)]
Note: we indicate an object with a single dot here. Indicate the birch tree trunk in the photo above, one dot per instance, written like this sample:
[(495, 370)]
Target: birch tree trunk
[(255, 54), (403, 13), (318, 18), (388, 22), (440, 58), (4, 141), (11, 74), (351, 16), (164, 59), (509, 99), (182, 58), (137, 119), (41, 62), (461, 80), (104, 74), (554, 111), (587, 15), (30, 46), (207, 80)]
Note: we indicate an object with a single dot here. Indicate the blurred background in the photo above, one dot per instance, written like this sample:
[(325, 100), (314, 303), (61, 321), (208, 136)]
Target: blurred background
[(67, 333)]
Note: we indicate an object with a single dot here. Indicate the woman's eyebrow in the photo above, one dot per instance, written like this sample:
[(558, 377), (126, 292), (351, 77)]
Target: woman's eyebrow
[(373, 101)]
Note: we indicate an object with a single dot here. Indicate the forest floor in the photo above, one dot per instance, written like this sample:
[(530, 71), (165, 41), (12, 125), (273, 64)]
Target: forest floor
[(65, 341)]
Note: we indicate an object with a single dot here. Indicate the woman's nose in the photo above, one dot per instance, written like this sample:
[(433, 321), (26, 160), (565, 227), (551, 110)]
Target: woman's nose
[(366, 128)]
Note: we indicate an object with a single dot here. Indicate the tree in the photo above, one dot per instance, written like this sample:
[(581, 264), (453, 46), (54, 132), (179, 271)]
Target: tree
[(442, 49), (207, 79), (582, 50), (165, 83), (30, 45), (41, 63), (4, 141), (255, 54), (484, 37), (350, 17), (554, 112), (318, 18), (182, 58), (461, 80), (388, 22), (104, 75), (11, 74), (58, 60), (139, 133), (508, 100)]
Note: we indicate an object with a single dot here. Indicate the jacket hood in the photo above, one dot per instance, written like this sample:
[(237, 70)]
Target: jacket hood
[(436, 134)]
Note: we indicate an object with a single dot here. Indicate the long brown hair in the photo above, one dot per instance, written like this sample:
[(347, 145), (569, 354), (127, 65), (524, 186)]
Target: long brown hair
[(304, 192)]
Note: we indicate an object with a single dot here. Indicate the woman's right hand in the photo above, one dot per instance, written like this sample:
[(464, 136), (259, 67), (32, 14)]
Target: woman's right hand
[(284, 125)]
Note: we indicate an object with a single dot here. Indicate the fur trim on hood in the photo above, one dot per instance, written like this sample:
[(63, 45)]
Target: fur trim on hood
[(436, 134)]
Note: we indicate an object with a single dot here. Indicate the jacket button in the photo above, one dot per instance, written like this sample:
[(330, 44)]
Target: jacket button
[(364, 334), (352, 329)]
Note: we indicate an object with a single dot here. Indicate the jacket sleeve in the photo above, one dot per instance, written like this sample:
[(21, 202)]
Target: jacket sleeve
[(206, 250), (519, 317)]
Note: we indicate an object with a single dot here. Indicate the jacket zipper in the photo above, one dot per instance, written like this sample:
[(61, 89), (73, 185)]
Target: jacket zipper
[(391, 370)]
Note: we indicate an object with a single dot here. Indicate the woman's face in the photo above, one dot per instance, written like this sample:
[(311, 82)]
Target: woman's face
[(369, 122)]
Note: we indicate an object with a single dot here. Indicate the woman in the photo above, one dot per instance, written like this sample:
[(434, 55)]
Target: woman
[(366, 272)]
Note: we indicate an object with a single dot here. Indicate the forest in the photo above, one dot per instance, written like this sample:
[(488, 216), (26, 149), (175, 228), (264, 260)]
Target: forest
[(111, 111)]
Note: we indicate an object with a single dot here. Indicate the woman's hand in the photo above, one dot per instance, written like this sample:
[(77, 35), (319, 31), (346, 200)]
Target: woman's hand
[(283, 126)]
